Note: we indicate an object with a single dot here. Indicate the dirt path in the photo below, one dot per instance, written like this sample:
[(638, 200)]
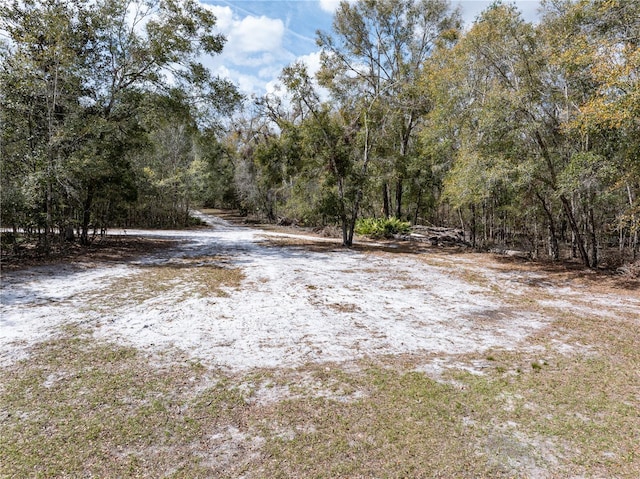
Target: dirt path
[(290, 304)]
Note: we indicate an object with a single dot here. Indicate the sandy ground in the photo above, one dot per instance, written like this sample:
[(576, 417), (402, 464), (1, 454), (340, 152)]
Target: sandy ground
[(295, 305)]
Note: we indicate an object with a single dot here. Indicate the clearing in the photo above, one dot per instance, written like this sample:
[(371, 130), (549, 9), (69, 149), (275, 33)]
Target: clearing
[(231, 351)]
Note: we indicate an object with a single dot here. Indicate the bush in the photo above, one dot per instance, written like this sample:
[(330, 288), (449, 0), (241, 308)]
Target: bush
[(382, 227)]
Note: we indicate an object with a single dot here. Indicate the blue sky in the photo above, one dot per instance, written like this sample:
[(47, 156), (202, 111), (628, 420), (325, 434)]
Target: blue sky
[(264, 36)]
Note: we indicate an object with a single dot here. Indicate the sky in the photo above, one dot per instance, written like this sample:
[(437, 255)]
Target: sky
[(264, 36)]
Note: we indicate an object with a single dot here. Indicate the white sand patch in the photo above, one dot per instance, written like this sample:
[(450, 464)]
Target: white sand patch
[(295, 306), (35, 302), (298, 306)]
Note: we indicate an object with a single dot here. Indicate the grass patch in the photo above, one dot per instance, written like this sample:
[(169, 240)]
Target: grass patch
[(80, 408), (569, 417), (406, 425), (575, 417), (181, 280), (77, 407), (206, 279)]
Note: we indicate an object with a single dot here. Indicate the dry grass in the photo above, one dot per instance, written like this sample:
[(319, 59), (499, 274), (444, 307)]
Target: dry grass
[(183, 278), (301, 244), (78, 407), (564, 406), (343, 307), (563, 273), (540, 414)]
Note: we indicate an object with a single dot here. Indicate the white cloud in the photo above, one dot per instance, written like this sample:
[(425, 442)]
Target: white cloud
[(248, 36), (275, 87), (312, 60), (331, 6), (253, 52), (256, 61), (256, 34), (224, 16), (246, 83), (269, 72)]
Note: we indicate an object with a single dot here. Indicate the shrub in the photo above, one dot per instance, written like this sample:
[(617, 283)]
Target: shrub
[(381, 227)]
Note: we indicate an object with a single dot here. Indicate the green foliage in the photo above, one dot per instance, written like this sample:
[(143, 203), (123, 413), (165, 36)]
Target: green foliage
[(382, 227), (518, 132), (78, 82), (507, 128), (372, 61)]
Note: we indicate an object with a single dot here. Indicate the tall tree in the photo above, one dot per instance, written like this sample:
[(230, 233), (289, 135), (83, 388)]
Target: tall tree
[(330, 137), (41, 82), (88, 66), (509, 100), (598, 44), (377, 51)]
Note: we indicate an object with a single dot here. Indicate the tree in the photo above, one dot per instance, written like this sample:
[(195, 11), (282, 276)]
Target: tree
[(329, 137), (540, 116), (602, 60), (80, 71), (508, 101), (377, 54), (41, 83)]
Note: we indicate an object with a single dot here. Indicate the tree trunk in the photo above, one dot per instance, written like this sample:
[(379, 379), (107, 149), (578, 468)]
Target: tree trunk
[(386, 209), (484, 221), (48, 227), (86, 216), (399, 198), (345, 233), (594, 239), (14, 238), (348, 227), (418, 201), (351, 226), (473, 226), (576, 231), (462, 225), (554, 250), (633, 243)]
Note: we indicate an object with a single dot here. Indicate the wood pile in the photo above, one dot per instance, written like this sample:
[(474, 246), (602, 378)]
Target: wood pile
[(438, 236)]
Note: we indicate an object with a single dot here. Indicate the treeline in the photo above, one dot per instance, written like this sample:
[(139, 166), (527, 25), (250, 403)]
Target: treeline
[(107, 117), (523, 134)]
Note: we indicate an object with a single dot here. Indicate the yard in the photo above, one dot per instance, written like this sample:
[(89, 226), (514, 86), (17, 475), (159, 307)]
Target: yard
[(231, 351)]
